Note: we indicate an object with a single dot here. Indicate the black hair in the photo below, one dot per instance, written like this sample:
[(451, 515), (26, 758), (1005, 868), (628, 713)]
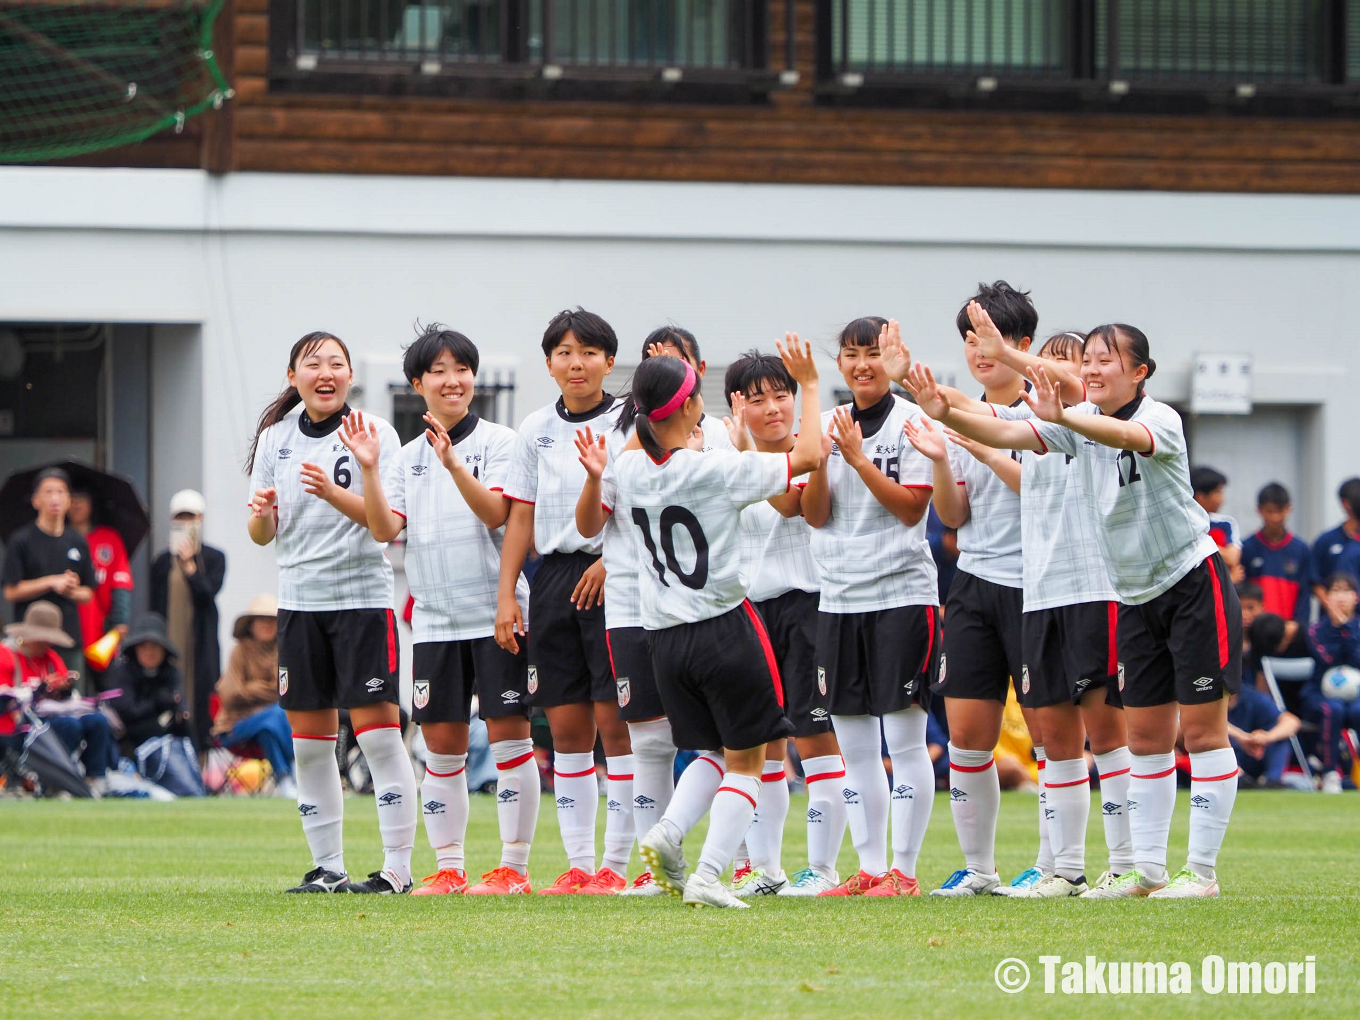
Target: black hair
[(587, 327), (1250, 590), (1273, 493), (51, 472), (862, 332), (1341, 577), (1118, 336), (1349, 494), (1061, 345), (681, 339), (1266, 633), (655, 382), (433, 340), (290, 398), (1011, 310), (754, 373), (1204, 480)]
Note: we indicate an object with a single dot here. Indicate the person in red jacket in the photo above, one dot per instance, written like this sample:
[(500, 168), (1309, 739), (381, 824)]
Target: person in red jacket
[(111, 607)]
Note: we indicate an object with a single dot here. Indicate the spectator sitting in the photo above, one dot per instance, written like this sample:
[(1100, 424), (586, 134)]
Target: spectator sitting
[(1279, 562), (1208, 485), (28, 658), (111, 605), (1330, 545), (1335, 641), (149, 698), (249, 692), (1259, 731)]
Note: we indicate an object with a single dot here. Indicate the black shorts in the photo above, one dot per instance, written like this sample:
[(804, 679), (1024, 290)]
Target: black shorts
[(634, 681), (1186, 644), (791, 620), (339, 658), (568, 654), (878, 662), (719, 682), (1068, 651), (981, 639), (445, 675)]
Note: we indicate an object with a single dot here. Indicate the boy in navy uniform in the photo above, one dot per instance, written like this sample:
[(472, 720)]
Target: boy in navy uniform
[(1332, 544), (1279, 562)]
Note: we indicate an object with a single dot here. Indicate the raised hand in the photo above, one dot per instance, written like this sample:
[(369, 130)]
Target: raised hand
[(990, 343), (737, 429), (361, 439), (592, 453), (438, 437), (929, 397), (695, 440), (926, 440), (982, 454), (1044, 399), (656, 351), (848, 436), (797, 357), (317, 482), (895, 354), (263, 502)]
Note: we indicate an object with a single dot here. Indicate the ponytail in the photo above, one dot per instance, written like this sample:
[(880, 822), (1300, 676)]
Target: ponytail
[(647, 436), (290, 398)]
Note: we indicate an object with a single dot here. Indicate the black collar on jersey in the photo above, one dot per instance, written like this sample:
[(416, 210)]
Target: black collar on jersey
[(570, 416), (462, 430), (1126, 412), (323, 428), (871, 419)]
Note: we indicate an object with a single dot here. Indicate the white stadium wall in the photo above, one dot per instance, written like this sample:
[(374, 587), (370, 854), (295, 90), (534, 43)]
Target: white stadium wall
[(231, 270)]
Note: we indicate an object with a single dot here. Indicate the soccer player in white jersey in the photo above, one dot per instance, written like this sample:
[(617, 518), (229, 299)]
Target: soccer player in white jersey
[(784, 585), (1180, 625), (337, 636), (569, 674), (712, 658), (1069, 677), (449, 500), (878, 622)]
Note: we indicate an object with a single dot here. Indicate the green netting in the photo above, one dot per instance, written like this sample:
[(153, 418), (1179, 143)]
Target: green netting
[(78, 76)]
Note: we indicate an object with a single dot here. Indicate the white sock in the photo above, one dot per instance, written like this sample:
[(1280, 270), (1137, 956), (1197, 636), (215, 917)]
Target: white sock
[(1068, 788), (619, 828), (517, 800), (913, 792), (1044, 860), (766, 838), (734, 805), (653, 771), (578, 799), (394, 791), (444, 804), (693, 794), (1113, 768), (975, 801), (826, 819), (866, 788), (1152, 802), (321, 800), (1213, 789)]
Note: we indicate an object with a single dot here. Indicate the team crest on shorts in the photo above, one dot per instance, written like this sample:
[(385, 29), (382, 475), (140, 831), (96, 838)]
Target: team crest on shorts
[(942, 659), (821, 680), (283, 680), (533, 679), (625, 690), (1121, 677), (1024, 679), (420, 693)]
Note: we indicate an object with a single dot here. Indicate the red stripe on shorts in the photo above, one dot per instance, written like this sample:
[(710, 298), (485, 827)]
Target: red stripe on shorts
[(1112, 612), (609, 647), (1220, 618), (391, 641), (767, 648), (930, 637)]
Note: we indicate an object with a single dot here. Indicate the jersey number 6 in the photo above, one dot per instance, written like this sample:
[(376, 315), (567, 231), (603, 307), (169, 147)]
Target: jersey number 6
[(670, 517), (342, 474)]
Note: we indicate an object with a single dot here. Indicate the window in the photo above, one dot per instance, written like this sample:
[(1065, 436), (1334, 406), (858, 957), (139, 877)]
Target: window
[(493, 399)]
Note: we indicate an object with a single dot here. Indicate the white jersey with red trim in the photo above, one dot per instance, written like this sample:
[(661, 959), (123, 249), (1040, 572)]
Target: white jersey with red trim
[(776, 551), (548, 472), (1150, 529), (684, 516), (990, 539), (326, 561), (870, 560), (1063, 562), (453, 560)]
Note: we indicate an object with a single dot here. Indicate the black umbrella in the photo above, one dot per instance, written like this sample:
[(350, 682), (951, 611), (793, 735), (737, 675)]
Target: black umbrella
[(46, 756), (116, 502)]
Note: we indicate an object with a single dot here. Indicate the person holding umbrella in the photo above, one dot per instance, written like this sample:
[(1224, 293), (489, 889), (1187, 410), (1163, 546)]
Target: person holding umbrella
[(111, 606)]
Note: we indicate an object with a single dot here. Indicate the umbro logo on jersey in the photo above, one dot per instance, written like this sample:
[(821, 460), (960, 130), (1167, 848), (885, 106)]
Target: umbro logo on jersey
[(420, 693), (821, 680), (533, 679), (625, 690), (1088, 442), (389, 799), (904, 792), (819, 714), (283, 680), (510, 697), (433, 807), (1204, 683), (1200, 801), (545, 441), (285, 453), (306, 810), (375, 684), (643, 801), (1024, 679), (1110, 808), (565, 802), (508, 796), (418, 469), (957, 796)]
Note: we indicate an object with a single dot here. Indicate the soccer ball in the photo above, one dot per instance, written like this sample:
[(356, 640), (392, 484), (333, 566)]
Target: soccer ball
[(1341, 683)]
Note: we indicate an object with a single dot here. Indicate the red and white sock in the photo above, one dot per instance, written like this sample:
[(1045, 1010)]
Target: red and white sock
[(975, 801), (1113, 768), (653, 771), (578, 799), (913, 790), (517, 800), (321, 799), (1213, 791), (394, 791), (826, 819), (1068, 788), (444, 805), (734, 805), (866, 788), (1044, 860), (619, 829), (694, 794), (765, 840), (1152, 802)]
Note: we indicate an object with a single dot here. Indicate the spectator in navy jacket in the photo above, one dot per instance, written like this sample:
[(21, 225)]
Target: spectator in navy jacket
[(1279, 562), (1335, 641), (1330, 545)]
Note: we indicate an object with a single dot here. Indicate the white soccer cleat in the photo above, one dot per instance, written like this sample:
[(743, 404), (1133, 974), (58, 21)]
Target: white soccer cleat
[(968, 883), (1106, 877), (286, 787), (1186, 885), (665, 857), (699, 893), (1021, 884), (1052, 887), (757, 883), (644, 886), (810, 882), (1331, 782), (1131, 883)]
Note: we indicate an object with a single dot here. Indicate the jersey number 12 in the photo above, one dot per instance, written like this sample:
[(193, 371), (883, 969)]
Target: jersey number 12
[(671, 517)]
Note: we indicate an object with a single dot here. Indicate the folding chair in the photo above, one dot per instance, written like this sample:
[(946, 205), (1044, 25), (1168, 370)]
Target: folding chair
[(1275, 669), (229, 758)]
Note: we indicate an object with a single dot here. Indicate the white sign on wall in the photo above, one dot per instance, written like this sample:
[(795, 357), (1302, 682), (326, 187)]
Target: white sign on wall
[(1221, 384)]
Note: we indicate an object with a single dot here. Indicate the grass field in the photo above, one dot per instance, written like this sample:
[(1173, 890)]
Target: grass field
[(133, 909)]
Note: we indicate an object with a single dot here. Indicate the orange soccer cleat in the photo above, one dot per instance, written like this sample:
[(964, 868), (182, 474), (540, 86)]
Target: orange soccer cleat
[(568, 883), (502, 881), (856, 885), (894, 883), (443, 882), (607, 882)]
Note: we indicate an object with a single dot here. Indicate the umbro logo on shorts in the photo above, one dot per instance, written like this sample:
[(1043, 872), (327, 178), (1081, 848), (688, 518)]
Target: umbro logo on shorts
[(957, 796), (1083, 684), (510, 697), (565, 802), (417, 469), (1024, 679), (283, 680), (306, 810), (420, 693), (545, 441), (1110, 807), (508, 796), (433, 807), (533, 679), (375, 684), (625, 690), (821, 680), (909, 686), (389, 798), (1203, 684), (819, 714), (904, 792), (1200, 801)]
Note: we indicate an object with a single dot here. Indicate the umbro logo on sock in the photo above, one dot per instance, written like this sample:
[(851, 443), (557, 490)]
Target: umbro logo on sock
[(508, 796), (375, 684), (1048, 813), (613, 805), (957, 796), (1133, 805), (904, 792), (1110, 807), (1200, 801), (643, 801), (306, 810), (389, 798), (814, 815), (851, 796), (565, 802), (433, 807)]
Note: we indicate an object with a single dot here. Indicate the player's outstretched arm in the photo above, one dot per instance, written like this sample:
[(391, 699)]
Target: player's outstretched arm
[(1003, 465), (806, 454), (590, 511), (1101, 428), (985, 429), (519, 536), (992, 346), (361, 439), (950, 498)]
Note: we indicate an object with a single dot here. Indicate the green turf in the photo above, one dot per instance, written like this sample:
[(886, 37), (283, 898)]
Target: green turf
[(133, 909)]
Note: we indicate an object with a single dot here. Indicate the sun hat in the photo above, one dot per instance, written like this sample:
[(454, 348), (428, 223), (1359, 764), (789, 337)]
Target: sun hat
[(260, 605), (41, 623)]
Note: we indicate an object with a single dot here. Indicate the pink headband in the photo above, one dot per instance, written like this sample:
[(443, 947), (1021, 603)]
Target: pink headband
[(671, 406)]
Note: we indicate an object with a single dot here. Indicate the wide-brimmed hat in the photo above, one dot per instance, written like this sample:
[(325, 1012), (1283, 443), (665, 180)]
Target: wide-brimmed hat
[(41, 623), (260, 605), (150, 627)]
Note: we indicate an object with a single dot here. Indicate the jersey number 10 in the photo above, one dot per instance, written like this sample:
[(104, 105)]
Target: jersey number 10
[(671, 517)]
